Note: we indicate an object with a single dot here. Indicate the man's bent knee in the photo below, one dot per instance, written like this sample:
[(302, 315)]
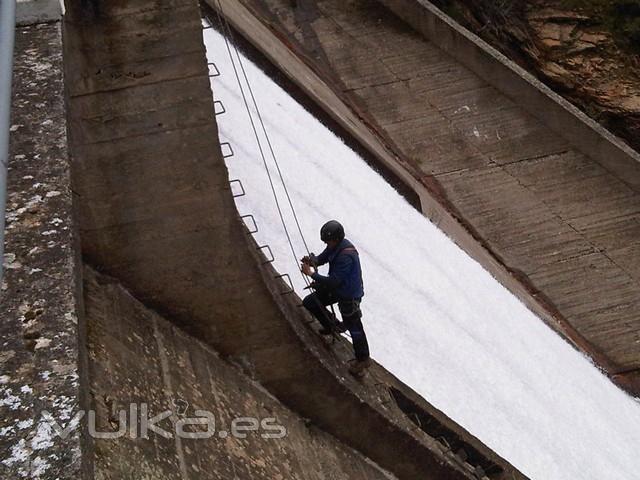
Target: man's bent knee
[(310, 302)]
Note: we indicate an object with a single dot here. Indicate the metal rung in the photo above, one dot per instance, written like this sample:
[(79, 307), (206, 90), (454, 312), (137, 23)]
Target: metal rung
[(221, 110), (444, 442), (290, 283), (393, 399), (262, 247), (255, 225), (416, 419), (228, 145), (241, 188), (215, 69)]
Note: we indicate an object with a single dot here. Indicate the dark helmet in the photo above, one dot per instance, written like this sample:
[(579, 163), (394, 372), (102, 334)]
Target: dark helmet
[(332, 230)]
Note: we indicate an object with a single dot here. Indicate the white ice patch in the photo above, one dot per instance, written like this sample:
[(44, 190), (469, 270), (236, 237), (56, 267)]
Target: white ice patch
[(44, 436), (26, 389), (42, 343), (38, 467), (19, 454), (10, 263), (33, 201), (65, 406), (24, 424), (9, 400)]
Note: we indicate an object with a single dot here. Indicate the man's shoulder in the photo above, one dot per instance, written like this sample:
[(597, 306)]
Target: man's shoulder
[(347, 250), (346, 244)]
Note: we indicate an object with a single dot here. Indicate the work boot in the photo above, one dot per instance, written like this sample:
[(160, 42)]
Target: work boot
[(358, 367), (325, 331), (340, 327), (328, 336), (336, 327)]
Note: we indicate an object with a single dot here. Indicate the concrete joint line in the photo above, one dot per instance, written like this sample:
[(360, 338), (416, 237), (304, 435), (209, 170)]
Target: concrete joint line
[(164, 364)]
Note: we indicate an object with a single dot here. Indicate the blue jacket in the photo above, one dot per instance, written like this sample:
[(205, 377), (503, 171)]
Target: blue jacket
[(345, 274)]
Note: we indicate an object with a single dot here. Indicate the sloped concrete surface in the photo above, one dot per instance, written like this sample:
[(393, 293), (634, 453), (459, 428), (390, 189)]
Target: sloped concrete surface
[(562, 224)]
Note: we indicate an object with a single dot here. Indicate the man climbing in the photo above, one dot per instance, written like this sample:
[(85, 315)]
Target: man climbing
[(343, 286)]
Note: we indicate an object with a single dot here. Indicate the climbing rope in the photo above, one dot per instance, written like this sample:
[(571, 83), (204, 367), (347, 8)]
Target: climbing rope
[(228, 34), (264, 130)]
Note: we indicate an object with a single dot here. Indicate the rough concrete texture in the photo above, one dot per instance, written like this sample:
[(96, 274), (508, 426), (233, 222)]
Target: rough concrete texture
[(29, 12), (138, 357), (38, 322), (559, 221), (154, 203), (581, 132), (156, 212)]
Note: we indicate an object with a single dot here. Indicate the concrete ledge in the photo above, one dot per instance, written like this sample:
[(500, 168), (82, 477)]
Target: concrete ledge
[(29, 12), (524, 89), (629, 380), (42, 359)]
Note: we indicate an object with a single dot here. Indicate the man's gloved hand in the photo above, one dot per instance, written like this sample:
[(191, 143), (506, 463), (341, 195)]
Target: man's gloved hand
[(309, 260), (307, 269)]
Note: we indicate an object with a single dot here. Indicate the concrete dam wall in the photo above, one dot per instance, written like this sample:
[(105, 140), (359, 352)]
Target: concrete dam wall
[(158, 296), (156, 218)]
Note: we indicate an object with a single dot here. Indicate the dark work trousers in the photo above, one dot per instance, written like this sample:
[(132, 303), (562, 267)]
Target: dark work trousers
[(351, 316)]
